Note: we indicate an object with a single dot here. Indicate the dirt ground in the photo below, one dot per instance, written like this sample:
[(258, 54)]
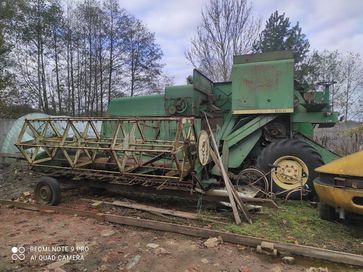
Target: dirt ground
[(34, 241), (104, 247)]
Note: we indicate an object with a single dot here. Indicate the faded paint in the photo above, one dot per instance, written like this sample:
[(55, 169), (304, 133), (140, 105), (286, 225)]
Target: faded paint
[(265, 86), (351, 165), (339, 197)]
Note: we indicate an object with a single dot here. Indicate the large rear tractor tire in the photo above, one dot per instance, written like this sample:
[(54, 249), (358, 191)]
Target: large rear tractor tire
[(295, 161), (47, 191)]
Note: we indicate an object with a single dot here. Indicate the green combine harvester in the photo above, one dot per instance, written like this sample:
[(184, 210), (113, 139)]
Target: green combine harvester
[(262, 122)]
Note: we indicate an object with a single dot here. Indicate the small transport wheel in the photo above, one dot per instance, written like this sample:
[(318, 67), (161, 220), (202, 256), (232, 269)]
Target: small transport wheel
[(48, 191), (326, 212)]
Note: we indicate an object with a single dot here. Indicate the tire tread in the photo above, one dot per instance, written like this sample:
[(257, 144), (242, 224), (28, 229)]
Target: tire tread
[(275, 149)]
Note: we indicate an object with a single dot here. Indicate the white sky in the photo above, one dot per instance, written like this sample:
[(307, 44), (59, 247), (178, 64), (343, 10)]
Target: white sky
[(328, 24)]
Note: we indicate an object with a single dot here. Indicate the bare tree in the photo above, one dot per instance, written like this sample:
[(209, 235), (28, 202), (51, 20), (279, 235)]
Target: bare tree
[(227, 29), (143, 58), (346, 70), (73, 57), (325, 66), (352, 70)]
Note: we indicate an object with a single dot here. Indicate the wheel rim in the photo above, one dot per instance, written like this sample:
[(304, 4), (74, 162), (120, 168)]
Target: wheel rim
[(290, 173), (253, 178), (45, 194)]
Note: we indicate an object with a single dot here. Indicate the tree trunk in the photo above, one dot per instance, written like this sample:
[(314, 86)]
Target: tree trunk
[(84, 56), (68, 74), (101, 76), (90, 73), (45, 98), (79, 81), (111, 61), (132, 73), (346, 110), (95, 92), (72, 81), (41, 106), (57, 72)]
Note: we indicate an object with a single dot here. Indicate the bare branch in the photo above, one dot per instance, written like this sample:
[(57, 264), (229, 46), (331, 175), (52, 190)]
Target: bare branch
[(227, 29)]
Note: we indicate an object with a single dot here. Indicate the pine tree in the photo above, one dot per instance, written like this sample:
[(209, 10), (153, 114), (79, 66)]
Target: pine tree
[(280, 35)]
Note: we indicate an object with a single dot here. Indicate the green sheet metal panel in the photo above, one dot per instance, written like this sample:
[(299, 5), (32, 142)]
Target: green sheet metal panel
[(182, 100), (202, 83), (223, 95), (238, 153), (262, 57), (263, 83), (241, 133), (322, 118), (151, 105), (306, 129)]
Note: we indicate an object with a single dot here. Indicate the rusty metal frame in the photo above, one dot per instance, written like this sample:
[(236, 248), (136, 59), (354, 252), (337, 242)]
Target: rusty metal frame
[(78, 144)]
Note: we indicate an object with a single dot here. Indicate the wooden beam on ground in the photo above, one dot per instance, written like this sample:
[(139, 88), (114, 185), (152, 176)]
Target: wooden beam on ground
[(38, 207), (306, 251), (156, 210), (217, 196), (148, 208)]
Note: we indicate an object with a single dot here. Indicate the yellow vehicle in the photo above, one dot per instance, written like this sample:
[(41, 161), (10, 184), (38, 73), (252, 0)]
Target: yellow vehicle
[(340, 187)]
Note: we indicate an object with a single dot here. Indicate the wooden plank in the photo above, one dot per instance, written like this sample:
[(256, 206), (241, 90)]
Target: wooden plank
[(37, 207), (307, 251), (96, 203), (156, 210), (219, 162), (229, 187), (153, 209), (219, 195)]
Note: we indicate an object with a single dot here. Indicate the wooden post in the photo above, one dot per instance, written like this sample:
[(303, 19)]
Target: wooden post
[(232, 194)]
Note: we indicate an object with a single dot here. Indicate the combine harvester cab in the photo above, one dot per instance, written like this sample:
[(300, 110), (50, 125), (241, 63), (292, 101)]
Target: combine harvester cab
[(262, 123)]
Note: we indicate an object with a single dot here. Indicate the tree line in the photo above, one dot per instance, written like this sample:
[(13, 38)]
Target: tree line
[(65, 58)]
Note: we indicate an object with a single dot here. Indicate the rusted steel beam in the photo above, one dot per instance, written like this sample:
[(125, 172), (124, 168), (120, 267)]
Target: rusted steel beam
[(107, 171), (99, 148), (100, 119)]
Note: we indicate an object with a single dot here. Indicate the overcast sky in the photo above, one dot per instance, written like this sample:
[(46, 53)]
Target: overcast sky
[(328, 24)]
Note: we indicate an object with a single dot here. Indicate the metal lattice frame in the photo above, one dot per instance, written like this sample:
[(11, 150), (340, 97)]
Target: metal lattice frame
[(133, 147)]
